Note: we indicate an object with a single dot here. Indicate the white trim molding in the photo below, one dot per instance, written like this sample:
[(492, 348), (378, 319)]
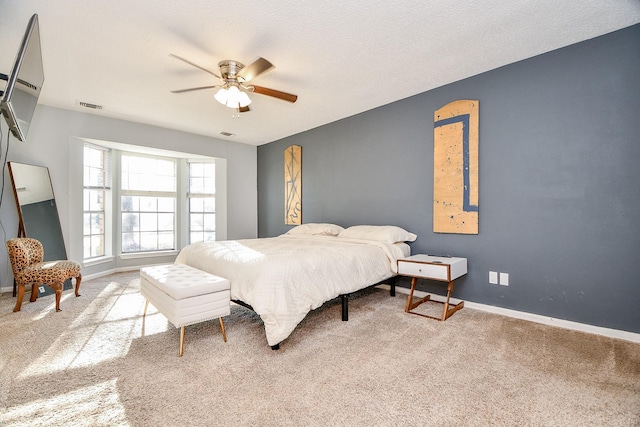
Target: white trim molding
[(531, 317), (537, 318)]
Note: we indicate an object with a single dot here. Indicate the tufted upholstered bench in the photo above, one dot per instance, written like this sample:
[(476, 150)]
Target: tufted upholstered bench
[(185, 295)]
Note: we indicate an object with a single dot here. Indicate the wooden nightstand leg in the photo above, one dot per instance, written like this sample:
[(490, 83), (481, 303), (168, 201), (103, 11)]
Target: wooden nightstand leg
[(410, 297), (446, 303), (446, 313), (410, 304)]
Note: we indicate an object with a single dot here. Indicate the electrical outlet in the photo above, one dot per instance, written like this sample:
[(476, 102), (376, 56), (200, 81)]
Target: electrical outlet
[(493, 277), (504, 279), (40, 288)]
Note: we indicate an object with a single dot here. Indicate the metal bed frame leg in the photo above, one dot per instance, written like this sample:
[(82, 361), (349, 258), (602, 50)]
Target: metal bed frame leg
[(345, 307)]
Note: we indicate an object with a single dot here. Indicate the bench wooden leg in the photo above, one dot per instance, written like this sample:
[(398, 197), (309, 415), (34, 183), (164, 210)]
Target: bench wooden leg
[(224, 334), (181, 341)]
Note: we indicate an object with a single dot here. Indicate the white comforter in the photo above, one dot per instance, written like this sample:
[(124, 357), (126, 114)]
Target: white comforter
[(285, 277)]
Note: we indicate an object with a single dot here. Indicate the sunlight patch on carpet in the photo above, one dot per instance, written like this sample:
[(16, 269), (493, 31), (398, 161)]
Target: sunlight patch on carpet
[(50, 308), (103, 331), (97, 404)]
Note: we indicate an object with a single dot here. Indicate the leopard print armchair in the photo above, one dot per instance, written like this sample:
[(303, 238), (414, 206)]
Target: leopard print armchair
[(26, 256)]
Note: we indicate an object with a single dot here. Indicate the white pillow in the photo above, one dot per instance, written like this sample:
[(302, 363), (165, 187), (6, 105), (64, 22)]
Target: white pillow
[(383, 233), (316, 228)]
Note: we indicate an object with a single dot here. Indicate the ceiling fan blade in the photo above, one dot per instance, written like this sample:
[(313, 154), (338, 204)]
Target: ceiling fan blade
[(254, 69), (275, 93), (194, 88), (195, 65), (244, 109)]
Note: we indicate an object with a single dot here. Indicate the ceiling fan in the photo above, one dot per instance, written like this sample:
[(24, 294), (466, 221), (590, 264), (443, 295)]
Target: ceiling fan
[(235, 78)]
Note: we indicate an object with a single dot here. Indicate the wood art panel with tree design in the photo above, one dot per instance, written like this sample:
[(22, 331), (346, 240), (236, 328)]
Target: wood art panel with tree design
[(293, 185)]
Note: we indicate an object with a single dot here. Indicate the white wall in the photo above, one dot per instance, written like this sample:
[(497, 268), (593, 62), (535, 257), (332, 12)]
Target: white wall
[(53, 141)]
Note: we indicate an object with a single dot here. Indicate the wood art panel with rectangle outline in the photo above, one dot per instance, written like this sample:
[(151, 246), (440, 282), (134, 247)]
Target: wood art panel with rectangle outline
[(455, 168)]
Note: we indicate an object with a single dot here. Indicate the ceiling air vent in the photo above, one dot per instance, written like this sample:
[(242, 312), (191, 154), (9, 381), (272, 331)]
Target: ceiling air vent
[(89, 105), (226, 134)]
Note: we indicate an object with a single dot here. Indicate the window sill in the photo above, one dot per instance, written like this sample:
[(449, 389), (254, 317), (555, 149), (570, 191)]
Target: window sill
[(153, 254)]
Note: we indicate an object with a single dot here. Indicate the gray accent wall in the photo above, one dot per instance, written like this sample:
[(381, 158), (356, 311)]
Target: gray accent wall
[(559, 181)]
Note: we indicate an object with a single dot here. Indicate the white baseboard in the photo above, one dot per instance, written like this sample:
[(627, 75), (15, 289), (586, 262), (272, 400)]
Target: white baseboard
[(537, 318), (108, 272)]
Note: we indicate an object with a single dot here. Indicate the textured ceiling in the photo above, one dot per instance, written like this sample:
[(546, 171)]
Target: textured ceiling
[(340, 57)]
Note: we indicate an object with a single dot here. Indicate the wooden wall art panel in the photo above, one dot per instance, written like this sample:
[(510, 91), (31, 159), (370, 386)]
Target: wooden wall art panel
[(293, 185), (455, 168)]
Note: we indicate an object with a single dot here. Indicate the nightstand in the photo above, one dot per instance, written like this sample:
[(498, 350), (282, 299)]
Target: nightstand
[(442, 269)]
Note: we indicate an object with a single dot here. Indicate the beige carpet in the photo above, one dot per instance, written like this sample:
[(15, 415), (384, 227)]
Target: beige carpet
[(98, 363)]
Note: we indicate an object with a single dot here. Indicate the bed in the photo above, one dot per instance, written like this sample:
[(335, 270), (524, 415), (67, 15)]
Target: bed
[(283, 278)]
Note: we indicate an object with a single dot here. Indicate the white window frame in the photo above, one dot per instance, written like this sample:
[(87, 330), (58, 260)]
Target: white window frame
[(192, 194), (148, 193), (105, 212), (114, 258)]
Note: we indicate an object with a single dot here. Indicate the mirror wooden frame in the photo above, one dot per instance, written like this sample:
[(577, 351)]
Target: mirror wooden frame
[(38, 212)]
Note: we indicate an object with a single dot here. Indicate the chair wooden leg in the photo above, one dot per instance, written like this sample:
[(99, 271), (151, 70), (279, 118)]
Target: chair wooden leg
[(19, 296), (224, 334), (34, 292), (58, 295), (78, 280), (57, 287)]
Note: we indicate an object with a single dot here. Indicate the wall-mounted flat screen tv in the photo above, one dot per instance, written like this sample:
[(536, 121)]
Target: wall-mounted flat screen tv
[(24, 83)]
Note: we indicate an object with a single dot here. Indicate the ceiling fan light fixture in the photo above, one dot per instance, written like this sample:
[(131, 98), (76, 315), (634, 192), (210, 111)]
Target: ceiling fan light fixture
[(235, 77), (232, 97), (221, 96), (244, 99)]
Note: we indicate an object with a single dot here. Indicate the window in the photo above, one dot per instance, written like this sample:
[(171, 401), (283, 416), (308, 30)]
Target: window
[(96, 183), (148, 203), (202, 202), (142, 204)]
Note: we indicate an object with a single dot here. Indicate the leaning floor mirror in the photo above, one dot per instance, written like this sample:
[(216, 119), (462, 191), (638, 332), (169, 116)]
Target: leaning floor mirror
[(38, 213)]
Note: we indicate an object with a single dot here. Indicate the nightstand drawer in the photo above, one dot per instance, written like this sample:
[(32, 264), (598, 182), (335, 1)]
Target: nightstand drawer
[(429, 271), (432, 267)]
